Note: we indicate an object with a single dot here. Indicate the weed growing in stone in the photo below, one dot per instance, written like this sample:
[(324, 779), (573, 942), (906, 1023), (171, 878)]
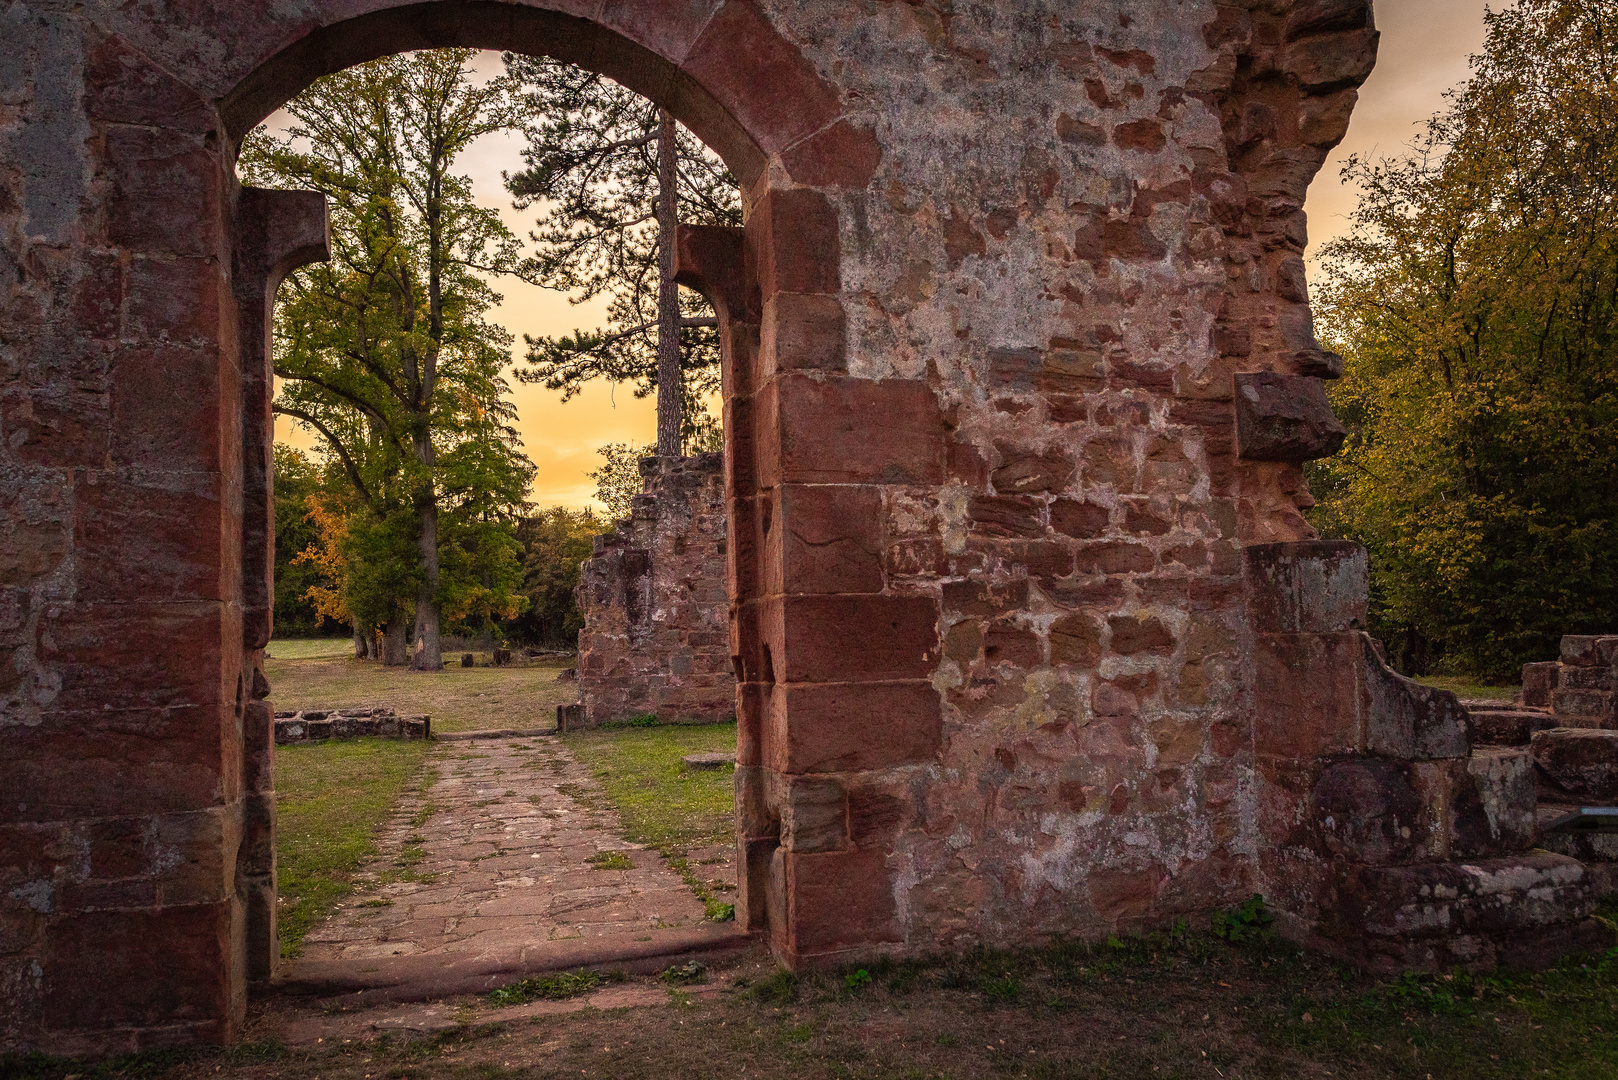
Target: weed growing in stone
[(693, 971), (1248, 921)]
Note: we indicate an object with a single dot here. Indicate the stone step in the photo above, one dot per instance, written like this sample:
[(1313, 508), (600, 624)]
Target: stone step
[(1590, 650), (1585, 708), (1497, 724), (1579, 764), (713, 759), (1527, 910)]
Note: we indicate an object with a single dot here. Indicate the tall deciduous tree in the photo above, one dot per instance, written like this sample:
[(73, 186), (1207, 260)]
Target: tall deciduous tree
[(612, 175), (1476, 301), (297, 479), (386, 351)]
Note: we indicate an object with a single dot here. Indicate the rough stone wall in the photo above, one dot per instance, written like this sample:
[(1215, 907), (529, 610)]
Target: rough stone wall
[(1017, 361), (1085, 226), (656, 637)]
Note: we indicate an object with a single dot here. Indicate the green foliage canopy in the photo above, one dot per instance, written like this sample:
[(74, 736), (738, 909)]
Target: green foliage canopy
[(1475, 300), (556, 542), (618, 480), (296, 479)]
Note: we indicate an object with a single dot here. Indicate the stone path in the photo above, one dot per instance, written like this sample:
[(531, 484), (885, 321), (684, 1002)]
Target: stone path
[(496, 860)]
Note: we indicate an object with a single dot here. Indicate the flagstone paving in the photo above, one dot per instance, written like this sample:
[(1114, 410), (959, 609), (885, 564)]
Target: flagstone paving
[(498, 853)]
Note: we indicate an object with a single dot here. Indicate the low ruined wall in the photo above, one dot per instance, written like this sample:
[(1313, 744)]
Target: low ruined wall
[(656, 611), (1581, 688), (317, 725)]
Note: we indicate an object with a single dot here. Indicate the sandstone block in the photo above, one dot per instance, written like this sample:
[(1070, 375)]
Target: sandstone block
[(1366, 811), (1407, 720), (1082, 520), (795, 244), (814, 815), (1496, 814), (839, 900), (712, 259), (856, 638), (1589, 650), (1326, 16), (709, 761), (1603, 678), (842, 155), (850, 431), (1318, 586), (1331, 61), (1285, 418), (258, 746), (1307, 695), (1583, 763), (1487, 726), (100, 964), (803, 333), (1584, 708), (825, 539), (766, 83), (1538, 682), (1513, 909)]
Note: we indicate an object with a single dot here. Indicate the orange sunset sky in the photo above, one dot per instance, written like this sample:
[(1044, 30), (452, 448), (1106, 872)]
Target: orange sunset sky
[(1425, 45)]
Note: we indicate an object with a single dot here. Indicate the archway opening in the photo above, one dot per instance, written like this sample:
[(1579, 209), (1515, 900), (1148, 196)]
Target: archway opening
[(721, 264)]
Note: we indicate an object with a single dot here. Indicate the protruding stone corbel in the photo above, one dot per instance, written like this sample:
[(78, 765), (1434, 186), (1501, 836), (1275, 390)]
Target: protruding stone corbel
[(712, 259), (276, 232), (1318, 363), (1284, 418)]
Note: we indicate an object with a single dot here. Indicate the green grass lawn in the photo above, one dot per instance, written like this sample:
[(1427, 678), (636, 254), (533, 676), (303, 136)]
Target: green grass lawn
[(1465, 687), (311, 675), (308, 648), (330, 799), (674, 810), (662, 804)]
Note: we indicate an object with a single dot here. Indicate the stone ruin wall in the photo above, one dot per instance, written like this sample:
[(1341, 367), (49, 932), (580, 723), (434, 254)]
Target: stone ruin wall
[(656, 637), (1037, 340), (1030, 634)]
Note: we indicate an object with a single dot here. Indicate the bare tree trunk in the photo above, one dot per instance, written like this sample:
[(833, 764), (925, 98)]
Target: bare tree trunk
[(393, 641), (361, 651), (428, 654), (668, 293)]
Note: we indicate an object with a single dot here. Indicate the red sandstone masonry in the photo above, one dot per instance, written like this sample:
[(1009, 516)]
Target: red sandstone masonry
[(656, 613), (983, 480)]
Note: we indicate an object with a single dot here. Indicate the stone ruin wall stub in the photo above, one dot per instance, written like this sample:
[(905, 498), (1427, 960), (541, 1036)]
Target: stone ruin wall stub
[(656, 637)]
